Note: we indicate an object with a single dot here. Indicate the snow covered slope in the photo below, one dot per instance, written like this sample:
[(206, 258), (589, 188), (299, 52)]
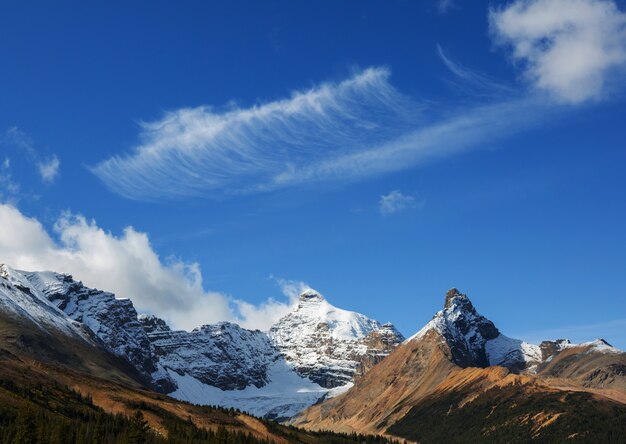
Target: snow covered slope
[(225, 364), (306, 354), (223, 355), (22, 300), (113, 321), (476, 342), (329, 345), (285, 394)]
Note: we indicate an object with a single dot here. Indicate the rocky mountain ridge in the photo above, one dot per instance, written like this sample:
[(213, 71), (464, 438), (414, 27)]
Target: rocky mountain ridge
[(316, 352), (459, 363), (225, 363)]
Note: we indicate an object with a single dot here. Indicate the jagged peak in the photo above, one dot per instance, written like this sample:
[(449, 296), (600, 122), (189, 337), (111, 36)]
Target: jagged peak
[(151, 323), (221, 326), (465, 331), (451, 294), (310, 295), (6, 271), (455, 300)]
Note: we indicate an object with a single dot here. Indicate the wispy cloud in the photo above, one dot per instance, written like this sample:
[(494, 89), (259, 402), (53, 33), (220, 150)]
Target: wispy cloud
[(128, 265), (570, 48), (17, 138), (363, 126), (444, 6), (474, 83), (205, 151), (394, 202), (22, 147), (335, 132), (48, 169), (9, 189)]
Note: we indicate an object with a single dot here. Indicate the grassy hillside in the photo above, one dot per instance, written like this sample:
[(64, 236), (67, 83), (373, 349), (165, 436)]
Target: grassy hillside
[(513, 413), (37, 409)]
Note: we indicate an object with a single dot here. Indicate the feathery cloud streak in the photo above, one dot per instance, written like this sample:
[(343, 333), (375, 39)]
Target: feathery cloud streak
[(204, 151), (336, 132)]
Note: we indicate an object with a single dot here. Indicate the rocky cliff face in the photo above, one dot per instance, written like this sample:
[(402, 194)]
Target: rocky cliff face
[(33, 329), (475, 341), (222, 355), (21, 300), (465, 331), (329, 345), (113, 321), (315, 349)]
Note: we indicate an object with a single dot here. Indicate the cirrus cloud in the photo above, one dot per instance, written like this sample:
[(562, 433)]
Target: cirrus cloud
[(208, 151), (355, 129)]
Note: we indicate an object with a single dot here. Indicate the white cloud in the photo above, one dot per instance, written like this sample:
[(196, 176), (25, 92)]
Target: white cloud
[(335, 132), (395, 202), (49, 169), (571, 48), (268, 313), (204, 151), (126, 265)]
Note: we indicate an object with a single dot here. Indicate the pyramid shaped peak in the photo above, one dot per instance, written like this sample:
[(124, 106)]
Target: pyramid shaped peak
[(454, 298)]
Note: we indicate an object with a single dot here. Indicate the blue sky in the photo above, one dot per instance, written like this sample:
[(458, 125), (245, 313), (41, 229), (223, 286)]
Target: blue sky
[(378, 152)]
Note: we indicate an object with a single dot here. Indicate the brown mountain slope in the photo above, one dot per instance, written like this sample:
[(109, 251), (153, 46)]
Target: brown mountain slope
[(32, 356), (447, 403), (588, 367), (493, 405), (114, 397), (433, 387), (385, 393), (24, 340), (64, 377)]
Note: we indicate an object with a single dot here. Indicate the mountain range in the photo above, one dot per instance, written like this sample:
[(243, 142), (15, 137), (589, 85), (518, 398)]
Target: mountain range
[(314, 352), (459, 378), (321, 367)]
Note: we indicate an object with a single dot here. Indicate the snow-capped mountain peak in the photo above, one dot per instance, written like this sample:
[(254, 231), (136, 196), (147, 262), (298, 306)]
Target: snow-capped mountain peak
[(113, 321), (474, 340), (310, 295), (313, 309), (330, 345), (465, 331)]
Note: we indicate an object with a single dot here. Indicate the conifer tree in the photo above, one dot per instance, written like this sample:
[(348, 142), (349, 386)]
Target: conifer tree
[(138, 433), (26, 426)]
